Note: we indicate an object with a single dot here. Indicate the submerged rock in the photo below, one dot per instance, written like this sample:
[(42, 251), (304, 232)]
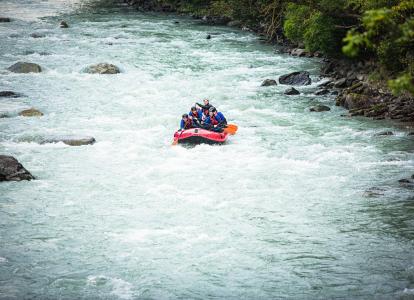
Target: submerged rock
[(12, 170), (63, 24), (31, 112), (4, 20), (25, 67), (9, 94), (102, 68), (319, 108), (291, 91), (37, 35), (296, 78), (71, 140), (208, 37), (384, 133), (269, 82)]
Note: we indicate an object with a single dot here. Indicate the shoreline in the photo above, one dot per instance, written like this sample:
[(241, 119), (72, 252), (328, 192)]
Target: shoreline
[(360, 94)]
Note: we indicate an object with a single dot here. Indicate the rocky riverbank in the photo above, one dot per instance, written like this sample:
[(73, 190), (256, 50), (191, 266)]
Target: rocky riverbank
[(353, 81)]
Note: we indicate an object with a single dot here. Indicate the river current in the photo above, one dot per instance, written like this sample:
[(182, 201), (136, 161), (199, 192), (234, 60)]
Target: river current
[(297, 205)]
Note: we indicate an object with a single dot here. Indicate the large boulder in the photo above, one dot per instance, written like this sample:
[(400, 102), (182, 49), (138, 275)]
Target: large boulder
[(12, 170), (102, 68), (269, 82), (25, 67), (71, 140), (296, 78), (291, 91), (31, 112)]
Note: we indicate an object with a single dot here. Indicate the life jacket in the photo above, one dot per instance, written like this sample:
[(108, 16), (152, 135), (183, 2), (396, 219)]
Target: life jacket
[(194, 114), (188, 124), (213, 121)]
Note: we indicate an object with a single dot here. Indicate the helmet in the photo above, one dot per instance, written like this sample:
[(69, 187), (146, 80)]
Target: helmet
[(185, 115), (193, 108), (212, 109)]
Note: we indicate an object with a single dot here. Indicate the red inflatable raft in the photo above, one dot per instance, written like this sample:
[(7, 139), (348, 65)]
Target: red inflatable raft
[(198, 135)]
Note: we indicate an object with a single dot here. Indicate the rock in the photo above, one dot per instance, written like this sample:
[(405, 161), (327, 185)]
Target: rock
[(374, 192), (269, 82), (334, 93), (12, 170), (322, 92), (403, 180), (296, 78), (320, 108), (329, 68), (63, 24), (318, 54), (9, 94), (37, 35), (25, 67), (354, 101), (176, 22), (384, 133), (298, 52), (102, 68), (411, 134), (208, 37), (4, 20), (31, 112), (291, 91), (234, 24), (71, 140), (341, 83), (412, 176), (326, 84)]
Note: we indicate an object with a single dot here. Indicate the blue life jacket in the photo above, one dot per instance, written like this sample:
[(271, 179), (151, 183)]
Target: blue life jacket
[(199, 114), (220, 118)]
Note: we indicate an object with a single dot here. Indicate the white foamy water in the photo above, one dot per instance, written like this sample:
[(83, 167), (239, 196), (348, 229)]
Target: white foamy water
[(277, 212)]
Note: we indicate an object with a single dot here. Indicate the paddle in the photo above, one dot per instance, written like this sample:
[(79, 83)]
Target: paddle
[(231, 129)]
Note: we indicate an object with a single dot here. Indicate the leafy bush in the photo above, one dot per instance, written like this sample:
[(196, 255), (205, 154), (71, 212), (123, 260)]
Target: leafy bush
[(320, 34), (295, 21)]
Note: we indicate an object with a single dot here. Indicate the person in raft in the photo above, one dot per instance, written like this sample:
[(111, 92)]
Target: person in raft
[(195, 114), (205, 107), (215, 121), (186, 122)]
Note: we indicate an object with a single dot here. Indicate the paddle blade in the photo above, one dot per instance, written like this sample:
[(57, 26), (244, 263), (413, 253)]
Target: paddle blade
[(175, 142), (231, 128)]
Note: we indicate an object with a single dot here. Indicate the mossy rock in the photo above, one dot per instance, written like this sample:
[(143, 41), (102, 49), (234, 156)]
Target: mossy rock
[(31, 112)]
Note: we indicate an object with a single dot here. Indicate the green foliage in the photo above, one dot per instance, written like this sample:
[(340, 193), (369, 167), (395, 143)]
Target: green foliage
[(221, 8), (403, 83), (320, 34), (387, 33), (295, 21), (354, 43)]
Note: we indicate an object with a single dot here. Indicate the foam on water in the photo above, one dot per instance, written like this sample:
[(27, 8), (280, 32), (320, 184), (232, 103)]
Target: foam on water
[(277, 212)]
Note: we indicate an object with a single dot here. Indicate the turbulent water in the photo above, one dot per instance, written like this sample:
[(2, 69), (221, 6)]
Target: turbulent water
[(297, 205)]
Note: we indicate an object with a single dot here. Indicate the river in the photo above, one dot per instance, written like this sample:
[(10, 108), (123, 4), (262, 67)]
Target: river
[(297, 205)]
